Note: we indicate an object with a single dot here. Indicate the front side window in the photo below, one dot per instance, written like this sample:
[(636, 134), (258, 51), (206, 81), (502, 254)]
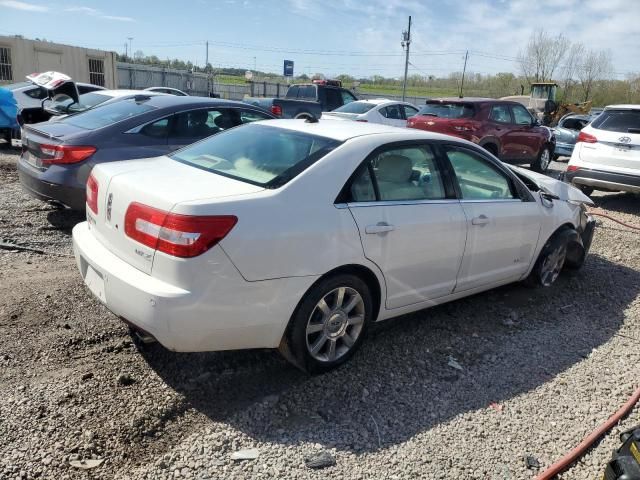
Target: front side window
[(477, 178), (400, 174), (257, 153), (520, 115), (409, 111), (500, 114)]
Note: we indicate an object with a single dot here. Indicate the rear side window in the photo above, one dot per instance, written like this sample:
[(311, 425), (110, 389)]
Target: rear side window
[(109, 114), (623, 121), (392, 112), (293, 92), (448, 110), (201, 123), (308, 92), (257, 154)]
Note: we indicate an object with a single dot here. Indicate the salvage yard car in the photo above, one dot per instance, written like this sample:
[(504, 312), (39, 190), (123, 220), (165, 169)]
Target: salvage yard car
[(65, 105), (300, 234), (607, 155), (504, 128), (58, 156), (378, 110)]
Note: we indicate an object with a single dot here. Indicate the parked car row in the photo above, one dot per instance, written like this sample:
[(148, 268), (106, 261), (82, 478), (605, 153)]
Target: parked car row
[(213, 225)]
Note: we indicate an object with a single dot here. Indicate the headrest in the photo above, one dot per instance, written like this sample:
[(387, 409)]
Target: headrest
[(394, 168)]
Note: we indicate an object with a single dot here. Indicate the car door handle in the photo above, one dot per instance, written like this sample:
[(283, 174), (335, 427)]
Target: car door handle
[(380, 227), (481, 220)]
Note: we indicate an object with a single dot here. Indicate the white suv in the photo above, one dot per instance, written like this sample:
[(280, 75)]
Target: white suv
[(607, 152)]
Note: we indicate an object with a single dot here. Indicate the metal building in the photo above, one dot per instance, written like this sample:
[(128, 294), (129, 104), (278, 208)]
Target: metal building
[(20, 57)]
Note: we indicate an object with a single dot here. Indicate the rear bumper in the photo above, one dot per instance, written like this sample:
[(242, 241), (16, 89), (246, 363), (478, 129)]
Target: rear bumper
[(224, 312), (617, 182), (32, 182)]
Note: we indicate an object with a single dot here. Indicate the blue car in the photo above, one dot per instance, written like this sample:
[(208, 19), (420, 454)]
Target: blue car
[(57, 157), (567, 131)]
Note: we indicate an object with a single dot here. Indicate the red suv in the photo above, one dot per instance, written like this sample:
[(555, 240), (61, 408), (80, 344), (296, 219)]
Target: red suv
[(506, 129)]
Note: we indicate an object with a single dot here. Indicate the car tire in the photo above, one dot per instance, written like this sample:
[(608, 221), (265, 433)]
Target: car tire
[(329, 324), (550, 261), (541, 164), (586, 189)]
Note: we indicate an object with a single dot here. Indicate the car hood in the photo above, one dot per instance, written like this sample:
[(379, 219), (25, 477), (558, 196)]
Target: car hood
[(563, 190)]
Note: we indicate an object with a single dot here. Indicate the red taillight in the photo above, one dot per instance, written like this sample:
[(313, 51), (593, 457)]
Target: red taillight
[(572, 168), (276, 110), (586, 138), (63, 154), (178, 235), (92, 194)]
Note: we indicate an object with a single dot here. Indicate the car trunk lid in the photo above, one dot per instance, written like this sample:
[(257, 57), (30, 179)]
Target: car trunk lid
[(160, 183), (45, 134)]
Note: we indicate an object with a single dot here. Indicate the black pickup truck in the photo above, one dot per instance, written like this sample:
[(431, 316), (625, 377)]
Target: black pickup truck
[(306, 99)]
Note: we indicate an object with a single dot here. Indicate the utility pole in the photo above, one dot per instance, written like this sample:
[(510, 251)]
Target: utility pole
[(130, 47), (255, 65), (406, 41), (206, 62), (126, 51), (464, 69)]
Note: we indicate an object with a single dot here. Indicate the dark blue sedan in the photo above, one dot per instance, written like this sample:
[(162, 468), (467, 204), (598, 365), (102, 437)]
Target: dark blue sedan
[(58, 157)]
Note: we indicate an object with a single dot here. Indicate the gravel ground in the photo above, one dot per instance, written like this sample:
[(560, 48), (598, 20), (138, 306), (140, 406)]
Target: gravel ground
[(539, 369)]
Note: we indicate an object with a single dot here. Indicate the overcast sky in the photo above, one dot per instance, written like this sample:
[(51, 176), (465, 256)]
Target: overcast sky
[(358, 37)]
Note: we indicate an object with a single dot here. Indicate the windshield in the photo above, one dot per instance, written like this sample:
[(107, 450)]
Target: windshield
[(623, 121), (447, 110), (109, 114), (355, 107), (258, 154), (86, 100)]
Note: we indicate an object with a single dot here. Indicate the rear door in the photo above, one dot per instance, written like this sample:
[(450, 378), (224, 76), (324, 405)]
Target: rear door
[(393, 115), (618, 142), (502, 227), (410, 224)]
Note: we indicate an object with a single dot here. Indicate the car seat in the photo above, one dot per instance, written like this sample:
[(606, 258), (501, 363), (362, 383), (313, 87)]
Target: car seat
[(394, 179)]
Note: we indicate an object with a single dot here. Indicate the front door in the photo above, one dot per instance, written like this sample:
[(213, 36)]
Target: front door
[(502, 228), (410, 224), (525, 136)]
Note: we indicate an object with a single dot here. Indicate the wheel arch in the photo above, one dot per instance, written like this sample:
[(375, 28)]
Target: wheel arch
[(575, 247), (492, 145)]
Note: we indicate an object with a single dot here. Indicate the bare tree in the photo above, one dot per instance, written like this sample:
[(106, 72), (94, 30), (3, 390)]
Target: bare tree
[(542, 56), (573, 61), (595, 66)]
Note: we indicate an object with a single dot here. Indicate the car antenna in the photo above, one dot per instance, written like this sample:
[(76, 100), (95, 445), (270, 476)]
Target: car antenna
[(311, 119)]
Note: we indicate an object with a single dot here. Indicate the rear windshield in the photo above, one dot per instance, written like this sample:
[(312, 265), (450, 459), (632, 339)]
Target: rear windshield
[(355, 107), (623, 121), (257, 154), (109, 114), (447, 110)]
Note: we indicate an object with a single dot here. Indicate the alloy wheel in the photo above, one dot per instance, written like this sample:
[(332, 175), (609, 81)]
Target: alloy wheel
[(545, 159), (335, 324), (552, 265)]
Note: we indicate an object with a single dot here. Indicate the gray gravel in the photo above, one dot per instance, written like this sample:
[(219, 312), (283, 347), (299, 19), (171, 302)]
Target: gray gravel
[(539, 370)]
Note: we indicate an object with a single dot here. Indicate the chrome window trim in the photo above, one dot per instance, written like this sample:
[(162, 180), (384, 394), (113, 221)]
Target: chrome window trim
[(391, 203)]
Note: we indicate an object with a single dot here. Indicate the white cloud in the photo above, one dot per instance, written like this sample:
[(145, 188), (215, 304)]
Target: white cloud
[(28, 7), (98, 14)]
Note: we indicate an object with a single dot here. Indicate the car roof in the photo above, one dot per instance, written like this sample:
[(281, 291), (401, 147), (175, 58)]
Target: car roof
[(468, 100), (382, 101), (170, 101), (622, 107), (124, 93), (341, 131)]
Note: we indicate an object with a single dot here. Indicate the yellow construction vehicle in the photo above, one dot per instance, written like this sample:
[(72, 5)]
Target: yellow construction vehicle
[(541, 102)]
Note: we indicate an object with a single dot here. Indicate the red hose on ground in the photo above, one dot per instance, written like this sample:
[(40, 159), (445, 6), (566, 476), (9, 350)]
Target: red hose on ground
[(562, 464), (613, 219)]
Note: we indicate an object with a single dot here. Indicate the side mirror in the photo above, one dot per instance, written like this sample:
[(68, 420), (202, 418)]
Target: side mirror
[(535, 122)]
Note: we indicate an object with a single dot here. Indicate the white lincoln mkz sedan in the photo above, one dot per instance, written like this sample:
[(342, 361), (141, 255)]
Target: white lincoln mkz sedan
[(298, 235)]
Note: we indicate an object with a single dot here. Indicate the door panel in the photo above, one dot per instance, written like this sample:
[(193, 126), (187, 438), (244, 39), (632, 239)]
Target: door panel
[(501, 239), (502, 230), (499, 126), (407, 225), (418, 247), (524, 136)]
